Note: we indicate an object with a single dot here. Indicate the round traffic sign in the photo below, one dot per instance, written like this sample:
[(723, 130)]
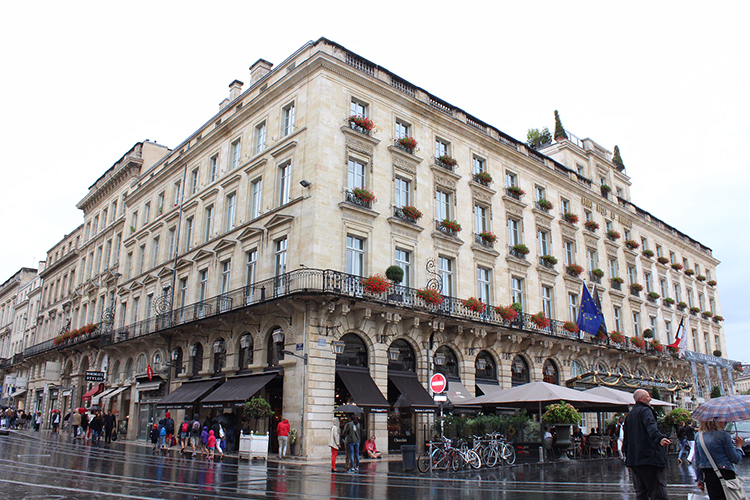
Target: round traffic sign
[(438, 383)]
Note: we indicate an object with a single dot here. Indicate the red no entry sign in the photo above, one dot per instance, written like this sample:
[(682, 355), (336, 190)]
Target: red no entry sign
[(438, 383)]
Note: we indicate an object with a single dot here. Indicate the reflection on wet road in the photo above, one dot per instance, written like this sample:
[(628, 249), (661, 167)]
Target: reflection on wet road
[(56, 467)]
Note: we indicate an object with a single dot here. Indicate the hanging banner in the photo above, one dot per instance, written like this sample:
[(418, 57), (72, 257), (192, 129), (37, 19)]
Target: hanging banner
[(708, 359)]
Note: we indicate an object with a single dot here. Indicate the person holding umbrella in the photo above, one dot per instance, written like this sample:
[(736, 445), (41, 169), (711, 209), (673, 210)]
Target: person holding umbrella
[(75, 421)]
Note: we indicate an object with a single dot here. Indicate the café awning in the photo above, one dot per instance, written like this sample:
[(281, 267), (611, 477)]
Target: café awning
[(488, 388), (413, 394), (363, 389), (93, 392), (457, 393), (95, 399), (114, 393), (236, 390), (188, 394)]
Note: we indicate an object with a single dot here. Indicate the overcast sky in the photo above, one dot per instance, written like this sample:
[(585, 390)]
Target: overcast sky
[(667, 82)]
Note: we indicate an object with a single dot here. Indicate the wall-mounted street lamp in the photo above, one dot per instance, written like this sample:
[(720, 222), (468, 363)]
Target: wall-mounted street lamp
[(218, 346), (440, 359), (278, 339), (337, 346), (481, 364), (193, 351), (245, 342), (393, 353)]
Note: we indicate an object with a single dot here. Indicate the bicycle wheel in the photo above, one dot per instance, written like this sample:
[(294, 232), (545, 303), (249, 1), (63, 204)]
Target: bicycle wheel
[(473, 459), (508, 454), (423, 462), (456, 461), (489, 457)]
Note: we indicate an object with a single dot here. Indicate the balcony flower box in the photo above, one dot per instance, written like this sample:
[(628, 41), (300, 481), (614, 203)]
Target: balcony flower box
[(408, 144), (570, 218), (638, 342), (662, 260), (677, 266), (574, 270), (548, 260), (591, 225), (695, 310), (515, 192), (618, 280), (483, 178), (669, 301), (362, 122), (681, 305), (520, 250), (652, 296), (689, 272), (718, 318), (544, 204), (598, 273), (632, 244), (363, 195), (707, 314), (648, 253), (446, 161), (376, 284), (430, 296), (648, 333), (488, 237), (613, 235), (412, 214), (540, 320), (636, 287), (700, 277), (711, 283), (617, 337), (600, 336), (656, 346), (450, 225), (606, 190), (507, 313), (571, 327), (474, 305)]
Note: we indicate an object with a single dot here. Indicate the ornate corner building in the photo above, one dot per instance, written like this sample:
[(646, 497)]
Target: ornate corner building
[(243, 262)]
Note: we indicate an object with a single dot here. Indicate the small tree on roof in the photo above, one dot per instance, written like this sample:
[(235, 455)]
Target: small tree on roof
[(559, 130), (537, 138), (617, 159)]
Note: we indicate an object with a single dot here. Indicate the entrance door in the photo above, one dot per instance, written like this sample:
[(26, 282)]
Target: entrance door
[(145, 420)]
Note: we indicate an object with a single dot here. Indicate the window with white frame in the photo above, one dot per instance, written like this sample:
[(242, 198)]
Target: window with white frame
[(251, 264), (155, 246), (183, 292), (573, 306), (649, 283), (444, 204), (203, 285), (285, 179), (208, 220), (229, 212), (402, 192), (194, 181), (540, 193), (255, 201), (136, 304), (281, 246), (213, 168), (172, 241), (176, 193), (677, 292), (146, 213), (483, 285), (480, 219), (478, 165), (696, 347), (355, 255), (565, 205), (514, 232), (618, 322), (614, 268), (706, 343), (701, 302), (511, 179), (160, 203), (403, 129), (608, 225), (587, 216), (547, 301), (545, 242), (356, 174), (659, 253), (95, 225), (403, 260), (226, 270), (188, 232), (592, 258), (236, 152), (442, 148), (445, 268), (141, 259), (668, 331), (652, 320), (672, 257), (663, 290), (288, 113), (113, 211), (357, 108), (644, 243), (712, 305), (631, 275), (516, 291), (107, 253), (260, 137), (697, 268), (570, 253), (690, 297), (637, 323)]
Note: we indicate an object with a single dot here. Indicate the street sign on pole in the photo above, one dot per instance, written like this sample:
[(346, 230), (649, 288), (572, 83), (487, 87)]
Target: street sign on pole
[(438, 383)]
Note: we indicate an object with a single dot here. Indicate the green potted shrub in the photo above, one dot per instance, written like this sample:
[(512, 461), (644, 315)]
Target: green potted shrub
[(544, 204), (292, 440), (559, 129), (591, 225), (563, 416), (570, 218), (653, 296), (538, 138), (515, 192), (521, 249), (395, 274), (483, 178), (606, 190), (717, 353), (648, 253), (669, 301), (711, 283), (648, 333)]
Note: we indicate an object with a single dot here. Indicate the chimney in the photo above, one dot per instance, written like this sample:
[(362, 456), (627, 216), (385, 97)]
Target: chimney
[(235, 89), (223, 103), (260, 69)]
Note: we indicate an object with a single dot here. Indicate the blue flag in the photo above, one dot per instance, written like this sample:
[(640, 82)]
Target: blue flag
[(589, 316)]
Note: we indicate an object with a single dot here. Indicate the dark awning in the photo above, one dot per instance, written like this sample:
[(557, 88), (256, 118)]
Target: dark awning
[(93, 392), (414, 393), (457, 393), (236, 390), (188, 394), (362, 388)]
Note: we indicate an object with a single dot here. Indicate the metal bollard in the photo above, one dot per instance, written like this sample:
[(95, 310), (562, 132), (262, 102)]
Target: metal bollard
[(541, 454)]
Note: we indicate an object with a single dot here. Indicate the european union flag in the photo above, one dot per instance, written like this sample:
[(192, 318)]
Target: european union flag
[(589, 316)]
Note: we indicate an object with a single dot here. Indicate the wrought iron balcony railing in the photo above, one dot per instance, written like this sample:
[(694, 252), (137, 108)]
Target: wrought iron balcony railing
[(352, 198)]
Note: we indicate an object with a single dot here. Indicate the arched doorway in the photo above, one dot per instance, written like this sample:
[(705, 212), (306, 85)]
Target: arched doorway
[(196, 353), (550, 373), (519, 372), (245, 357), (485, 373)]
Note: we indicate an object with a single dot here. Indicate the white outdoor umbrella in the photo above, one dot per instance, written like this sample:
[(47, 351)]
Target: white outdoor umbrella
[(623, 396)]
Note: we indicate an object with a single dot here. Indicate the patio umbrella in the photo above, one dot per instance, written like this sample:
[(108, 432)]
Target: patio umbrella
[(724, 409), (349, 408), (95, 408), (531, 396), (623, 396)]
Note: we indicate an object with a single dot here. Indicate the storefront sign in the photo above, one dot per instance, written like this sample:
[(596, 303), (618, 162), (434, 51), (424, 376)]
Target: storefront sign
[(149, 372), (94, 376), (52, 371)]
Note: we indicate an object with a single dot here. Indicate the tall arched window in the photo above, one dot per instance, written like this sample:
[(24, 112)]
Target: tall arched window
[(129, 369), (140, 366), (446, 362), (355, 351), (550, 374), (576, 369), (484, 367), (519, 372), (405, 361), (196, 352), (177, 361), (115, 373), (220, 355)]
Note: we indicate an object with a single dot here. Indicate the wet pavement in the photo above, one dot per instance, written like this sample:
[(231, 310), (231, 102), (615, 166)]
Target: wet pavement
[(45, 466)]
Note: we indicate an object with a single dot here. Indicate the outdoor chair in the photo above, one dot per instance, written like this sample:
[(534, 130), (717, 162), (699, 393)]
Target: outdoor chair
[(605, 447), (593, 444)]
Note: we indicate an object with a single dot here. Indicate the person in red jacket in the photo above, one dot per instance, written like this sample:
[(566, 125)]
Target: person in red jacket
[(282, 432)]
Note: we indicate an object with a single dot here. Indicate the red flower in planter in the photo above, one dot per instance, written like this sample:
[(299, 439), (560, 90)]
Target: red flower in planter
[(448, 161), (507, 313), (376, 284), (656, 346), (591, 225), (613, 235), (540, 320), (515, 190), (363, 194), (474, 305), (570, 218), (430, 296), (362, 122), (648, 253), (632, 244), (617, 337), (411, 212), (488, 236), (571, 327), (451, 224), (662, 260), (638, 342), (575, 269), (407, 143), (677, 266), (483, 178)]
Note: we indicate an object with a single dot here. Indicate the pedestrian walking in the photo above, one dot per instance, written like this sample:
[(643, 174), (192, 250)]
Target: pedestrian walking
[(110, 421), (85, 425), (56, 421), (38, 421), (211, 444), (184, 433), (620, 436), (75, 421), (690, 436), (682, 442), (334, 441), (169, 427), (195, 433), (154, 436), (352, 438), (97, 424), (282, 432), (716, 450), (645, 449), (204, 441)]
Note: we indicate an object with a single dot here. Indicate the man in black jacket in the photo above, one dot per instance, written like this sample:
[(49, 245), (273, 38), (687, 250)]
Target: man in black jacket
[(645, 449)]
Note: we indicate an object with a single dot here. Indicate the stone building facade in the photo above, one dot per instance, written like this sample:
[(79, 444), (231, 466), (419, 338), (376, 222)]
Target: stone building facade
[(239, 261)]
